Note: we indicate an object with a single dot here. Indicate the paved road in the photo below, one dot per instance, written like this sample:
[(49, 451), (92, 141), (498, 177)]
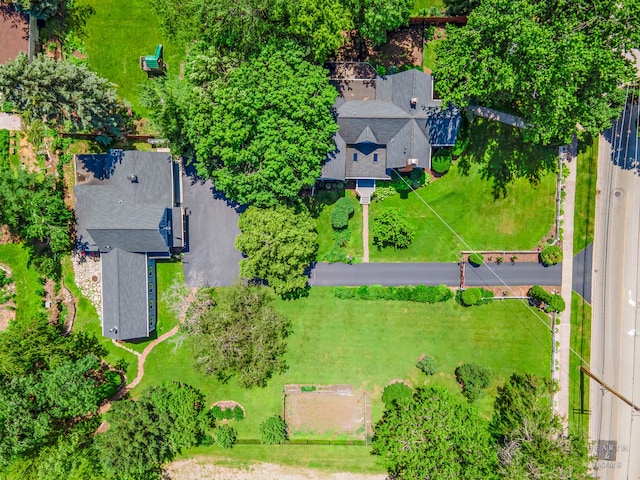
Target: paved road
[(615, 349), (582, 269), (336, 274)]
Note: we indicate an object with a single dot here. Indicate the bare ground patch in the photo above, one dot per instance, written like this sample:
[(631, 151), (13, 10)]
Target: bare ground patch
[(313, 414), (204, 469)]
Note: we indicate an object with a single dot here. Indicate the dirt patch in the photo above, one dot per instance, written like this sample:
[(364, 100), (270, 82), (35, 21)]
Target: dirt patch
[(228, 405), (532, 256), (311, 414), (404, 47), (201, 468), (8, 308), (400, 380)]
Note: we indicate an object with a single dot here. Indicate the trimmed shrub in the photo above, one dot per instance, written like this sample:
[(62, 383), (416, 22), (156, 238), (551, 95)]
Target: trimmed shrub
[(551, 255), (427, 365), (383, 191), (419, 293), (342, 211), (335, 255), (549, 302), (391, 229), (473, 378), (476, 259), (225, 436), (216, 412), (400, 183), (418, 178), (474, 296), (441, 161), (308, 388), (238, 413), (394, 392), (273, 431), (227, 414)]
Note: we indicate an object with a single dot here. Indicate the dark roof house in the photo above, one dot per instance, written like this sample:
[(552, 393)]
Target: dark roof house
[(128, 212), (386, 123)]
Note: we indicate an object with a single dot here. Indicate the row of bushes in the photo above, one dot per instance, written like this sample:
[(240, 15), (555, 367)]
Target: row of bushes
[(473, 379), (273, 431), (235, 413), (549, 302), (419, 293), (4, 147)]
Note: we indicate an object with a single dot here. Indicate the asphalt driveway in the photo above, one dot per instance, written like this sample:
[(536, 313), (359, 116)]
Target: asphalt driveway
[(212, 225)]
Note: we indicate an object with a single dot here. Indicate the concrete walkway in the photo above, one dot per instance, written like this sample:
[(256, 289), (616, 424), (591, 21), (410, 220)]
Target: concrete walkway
[(563, 331), (498, 116), (365, 232)]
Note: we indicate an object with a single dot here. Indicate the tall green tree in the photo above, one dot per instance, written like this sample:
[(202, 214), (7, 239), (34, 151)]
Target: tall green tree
[(144, 434), (62, 93), (530, 436), (263, 135), (434, 435), (240, 333), (279, 245), (559, 65), (375, 18)]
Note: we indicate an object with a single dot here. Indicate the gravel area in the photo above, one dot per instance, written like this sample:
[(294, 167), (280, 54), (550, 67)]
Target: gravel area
[(88, 275)]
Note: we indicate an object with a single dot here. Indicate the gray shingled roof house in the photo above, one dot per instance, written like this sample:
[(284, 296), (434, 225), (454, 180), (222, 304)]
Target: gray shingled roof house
[(386, 123), (128, 212)]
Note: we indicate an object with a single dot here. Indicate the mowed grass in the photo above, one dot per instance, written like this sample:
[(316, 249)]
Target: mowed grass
[(579, 383), (115, 38), (87, 320), (367, 344), (463, 206), (325, 230), (585, 202), (330, 458), (29, 287), (429, 59), (462, 210), (420, 5), (167, 271)]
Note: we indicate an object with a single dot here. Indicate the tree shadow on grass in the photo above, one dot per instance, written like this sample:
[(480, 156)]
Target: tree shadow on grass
[(504, 156)]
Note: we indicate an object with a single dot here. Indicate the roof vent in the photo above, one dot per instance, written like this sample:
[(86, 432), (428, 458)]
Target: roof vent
[(132, 178), (412, 161), (414, 102)]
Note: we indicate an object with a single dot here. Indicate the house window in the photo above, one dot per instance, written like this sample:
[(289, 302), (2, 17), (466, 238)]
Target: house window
[(355, 157), (375, 158)]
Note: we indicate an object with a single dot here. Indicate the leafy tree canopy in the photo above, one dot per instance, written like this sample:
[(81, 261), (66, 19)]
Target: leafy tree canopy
[(530, 437), (374, 18), (559, 65), (245, 26), (41, 9), (280, 244), (434, 435), (391, 229), (263, 135), (63, 93), (144, 434), (239, 332)]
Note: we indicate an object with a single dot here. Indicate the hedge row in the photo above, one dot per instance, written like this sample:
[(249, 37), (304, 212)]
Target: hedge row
[(341, 213), (474, 296), (419, 293), (4, 147), (549, 302), (235, 413)]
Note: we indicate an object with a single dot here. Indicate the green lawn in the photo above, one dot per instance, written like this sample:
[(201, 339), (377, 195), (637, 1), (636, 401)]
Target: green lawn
[(29, 291), (87, 320), (325, 231), (420, 5), (167, 272), (367, 344), (579, 383), (478, 201), (585, 203), (333, 458), (115, 38), (430, 54)]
